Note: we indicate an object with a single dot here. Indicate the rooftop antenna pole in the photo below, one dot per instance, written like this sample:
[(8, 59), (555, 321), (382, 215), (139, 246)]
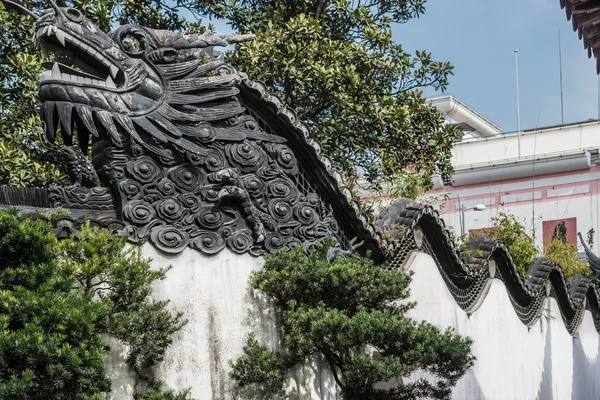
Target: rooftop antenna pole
[(518, 110), (562, 112)]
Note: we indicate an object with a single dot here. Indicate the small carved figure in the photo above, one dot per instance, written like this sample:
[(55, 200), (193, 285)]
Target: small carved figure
[(249, 211), (234, 190), (335, 251), (80, 170)]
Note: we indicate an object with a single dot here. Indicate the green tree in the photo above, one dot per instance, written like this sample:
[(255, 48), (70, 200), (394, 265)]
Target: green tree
[(565, 255), (22, 161), (509, 230), (335, 63), (59, 302), (347, 310)]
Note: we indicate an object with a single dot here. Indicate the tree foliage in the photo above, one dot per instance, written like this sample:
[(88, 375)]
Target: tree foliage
[(523, 251), (565, 255), (352, 313), (59, 302), (23, 163), (336, 64), (508, 229)]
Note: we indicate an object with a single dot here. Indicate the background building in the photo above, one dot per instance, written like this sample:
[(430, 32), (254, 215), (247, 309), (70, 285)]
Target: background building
[(546, 177)]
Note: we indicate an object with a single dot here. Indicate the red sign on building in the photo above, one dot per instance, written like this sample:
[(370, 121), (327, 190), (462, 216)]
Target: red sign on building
[(564, 229)]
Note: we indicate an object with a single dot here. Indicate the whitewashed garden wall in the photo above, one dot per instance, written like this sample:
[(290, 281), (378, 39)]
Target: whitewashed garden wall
[(215, 295), (513, 361), (543, 362)]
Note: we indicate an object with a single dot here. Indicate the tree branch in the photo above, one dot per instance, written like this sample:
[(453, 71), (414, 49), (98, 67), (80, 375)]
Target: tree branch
[(9, 90), (319, 10), (333, 368)]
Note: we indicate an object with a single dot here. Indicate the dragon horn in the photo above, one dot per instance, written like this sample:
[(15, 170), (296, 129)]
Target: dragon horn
[(593, 260), (56, 8), (181, 41), (17, 6), (224, 40)]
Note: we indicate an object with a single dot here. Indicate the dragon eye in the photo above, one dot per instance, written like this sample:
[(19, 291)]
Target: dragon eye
[(74, 15), (132, 44)]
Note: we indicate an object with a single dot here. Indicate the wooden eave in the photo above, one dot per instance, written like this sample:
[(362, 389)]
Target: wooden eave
[(585, 15)]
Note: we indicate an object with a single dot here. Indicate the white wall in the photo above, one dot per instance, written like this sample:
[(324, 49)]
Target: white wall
[(545, 141), (214, 294), (513, 362)]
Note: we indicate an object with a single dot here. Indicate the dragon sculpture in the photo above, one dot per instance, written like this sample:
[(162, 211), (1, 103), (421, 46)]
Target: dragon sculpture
[(176, 153), (593, 260)]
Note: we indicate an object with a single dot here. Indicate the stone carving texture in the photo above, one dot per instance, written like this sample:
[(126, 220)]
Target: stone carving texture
[(63, 226), (73, 197), (250, 205), (183, 162)]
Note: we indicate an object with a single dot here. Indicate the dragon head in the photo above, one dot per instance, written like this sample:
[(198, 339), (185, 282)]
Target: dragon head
[(133, 85)]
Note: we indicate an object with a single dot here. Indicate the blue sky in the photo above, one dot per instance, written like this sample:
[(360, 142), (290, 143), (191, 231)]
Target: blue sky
[(479, 37)]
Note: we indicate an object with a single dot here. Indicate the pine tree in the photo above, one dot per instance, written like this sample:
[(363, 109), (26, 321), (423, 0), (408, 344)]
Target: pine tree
[(352, 313), (59, 301)]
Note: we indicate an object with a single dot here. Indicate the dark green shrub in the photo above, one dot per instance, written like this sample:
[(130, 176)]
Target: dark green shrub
[(58, 303), (347, 311)]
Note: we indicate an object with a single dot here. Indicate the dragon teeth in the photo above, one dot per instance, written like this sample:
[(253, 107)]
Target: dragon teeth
[(46, 75), (110, 83), (56, 72), (106, 120), (47, 112), (61, 37), (65, 114), (85, 115)]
